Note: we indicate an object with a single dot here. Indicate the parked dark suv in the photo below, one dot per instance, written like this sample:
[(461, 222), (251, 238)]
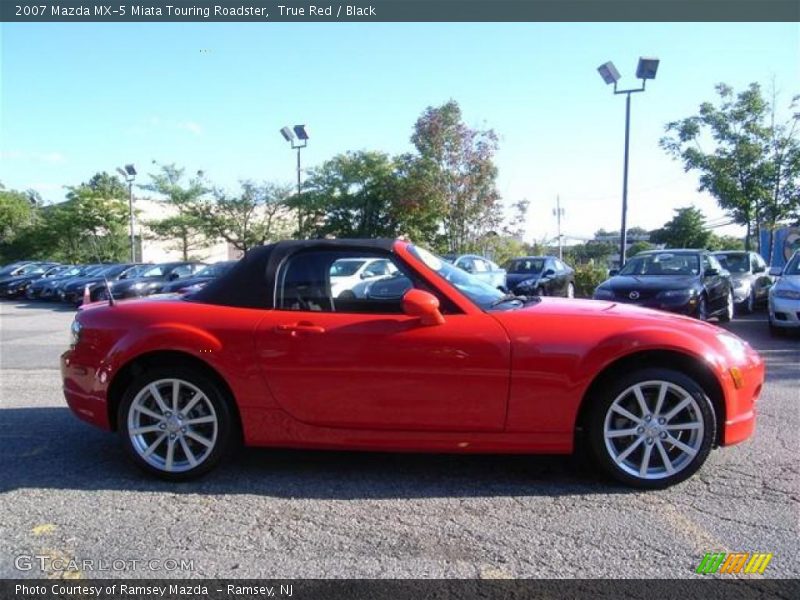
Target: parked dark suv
[(690, 282)]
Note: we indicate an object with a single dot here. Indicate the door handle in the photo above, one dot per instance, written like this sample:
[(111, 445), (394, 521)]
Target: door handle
[(295, 328)]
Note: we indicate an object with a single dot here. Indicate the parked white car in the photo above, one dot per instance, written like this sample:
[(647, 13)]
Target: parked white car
[(784, 298), (347, 273)]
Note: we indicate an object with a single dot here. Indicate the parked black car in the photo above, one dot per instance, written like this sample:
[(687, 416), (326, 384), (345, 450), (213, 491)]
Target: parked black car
[(198, 280), (15, 268), (690, 282), (34, 290), (48, 289), (151, 279), (12, 287), (540, 276), (73, 291)]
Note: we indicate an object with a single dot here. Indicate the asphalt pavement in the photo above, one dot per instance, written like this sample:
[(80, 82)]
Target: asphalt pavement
[(68, 493)]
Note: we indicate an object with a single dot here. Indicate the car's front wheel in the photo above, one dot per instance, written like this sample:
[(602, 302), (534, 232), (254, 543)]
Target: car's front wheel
[(652, 429), (175, 423), (727, 314)]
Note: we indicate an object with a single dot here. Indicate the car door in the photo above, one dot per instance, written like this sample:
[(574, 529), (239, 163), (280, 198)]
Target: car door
[(361, 363)]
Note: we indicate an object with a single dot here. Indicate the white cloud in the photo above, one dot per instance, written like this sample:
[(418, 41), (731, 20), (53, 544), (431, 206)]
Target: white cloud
[(48, 157), (191, 127)]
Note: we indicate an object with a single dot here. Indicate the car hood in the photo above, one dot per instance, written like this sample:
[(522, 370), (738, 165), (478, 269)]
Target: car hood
[(649, 282), (515, 278), (19, 279), (788, 282)]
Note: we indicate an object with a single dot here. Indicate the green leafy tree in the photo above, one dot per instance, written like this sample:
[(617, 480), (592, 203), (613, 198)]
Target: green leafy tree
[(456, 164), (725, 242), (89, 226), (19, 216), (747, 161), (367, 194), (256, 215), (185, 228), (685, 230)]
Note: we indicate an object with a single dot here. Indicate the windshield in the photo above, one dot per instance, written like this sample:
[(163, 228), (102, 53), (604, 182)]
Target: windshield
[(735, 263), (525, 265), (482, 294), (156, 271), (665, 263), (345, 267), (215, 270), (793, 268)]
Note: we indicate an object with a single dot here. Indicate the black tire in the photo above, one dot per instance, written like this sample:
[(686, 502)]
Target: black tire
[(227, 434), (727, 314), (601, 405), (749, 305)]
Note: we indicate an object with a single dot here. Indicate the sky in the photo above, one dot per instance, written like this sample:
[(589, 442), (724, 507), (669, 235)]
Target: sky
[(76, 99)]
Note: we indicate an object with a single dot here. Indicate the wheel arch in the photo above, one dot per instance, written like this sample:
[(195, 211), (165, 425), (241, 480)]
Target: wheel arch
[(670, 359), (163, 358)]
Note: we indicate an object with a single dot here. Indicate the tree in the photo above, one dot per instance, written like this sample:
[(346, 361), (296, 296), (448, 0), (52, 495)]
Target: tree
[(17, 212), (258, 214), (725, 242), (186, 228), (518, 220), (456, 163), (750, 165), (368, 194), (685, 230), (90, 226)]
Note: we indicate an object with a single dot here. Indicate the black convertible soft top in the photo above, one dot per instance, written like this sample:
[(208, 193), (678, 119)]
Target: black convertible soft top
[(250, 283)]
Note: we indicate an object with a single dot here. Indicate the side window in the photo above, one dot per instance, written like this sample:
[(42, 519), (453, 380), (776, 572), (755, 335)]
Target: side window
[(466, 264), (378, 268), (182, 271), (321, 281), (481, 266)]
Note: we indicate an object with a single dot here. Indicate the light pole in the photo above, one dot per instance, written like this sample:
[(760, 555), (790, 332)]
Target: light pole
[(298, 140), (129, 174), (646, 69), (558, 212)]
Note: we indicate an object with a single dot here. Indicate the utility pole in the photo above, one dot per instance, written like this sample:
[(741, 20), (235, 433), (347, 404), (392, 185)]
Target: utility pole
[(559, 212)]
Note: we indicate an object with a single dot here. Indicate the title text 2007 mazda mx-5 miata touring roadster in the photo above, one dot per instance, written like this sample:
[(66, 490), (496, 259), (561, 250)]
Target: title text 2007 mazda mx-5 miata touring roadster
[(266, 355)]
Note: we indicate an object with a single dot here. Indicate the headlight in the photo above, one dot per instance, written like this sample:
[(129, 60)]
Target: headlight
[(787, 294), (603, 294), (528, 282), (740, 283), (74, 333), (673, 294), (735, 347)]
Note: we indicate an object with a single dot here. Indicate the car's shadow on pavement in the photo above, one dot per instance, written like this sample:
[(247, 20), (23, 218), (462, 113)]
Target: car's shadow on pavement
[(25, 304), (49, 448)]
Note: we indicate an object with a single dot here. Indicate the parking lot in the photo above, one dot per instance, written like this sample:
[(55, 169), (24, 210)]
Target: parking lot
[(67, 491)]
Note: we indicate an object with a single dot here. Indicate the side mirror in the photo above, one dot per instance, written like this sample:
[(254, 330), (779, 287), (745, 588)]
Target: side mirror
[(776, 271), (759, 269), (711, 273), (548, 273), (365, 275), (173, 276), (422, 304), (613, 272)]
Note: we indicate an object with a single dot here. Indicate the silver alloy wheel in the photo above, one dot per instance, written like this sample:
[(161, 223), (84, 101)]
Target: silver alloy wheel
[(729, 309), (653, 429), (570, 291), (751, 301), (172, 425), (702, 309)]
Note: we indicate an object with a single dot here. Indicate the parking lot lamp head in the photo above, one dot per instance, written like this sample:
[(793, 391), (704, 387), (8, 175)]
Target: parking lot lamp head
[(287, 134), (301, 133), (647, 68), (130, 170), (609, 73)]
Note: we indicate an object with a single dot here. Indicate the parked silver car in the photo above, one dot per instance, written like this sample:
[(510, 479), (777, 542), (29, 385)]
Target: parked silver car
[(784, 297), (751, 281), (479, 267)]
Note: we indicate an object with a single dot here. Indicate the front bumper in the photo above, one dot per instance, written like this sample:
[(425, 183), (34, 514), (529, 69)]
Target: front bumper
[(681, 305), (84, 390), (784, 312), (740, 400)]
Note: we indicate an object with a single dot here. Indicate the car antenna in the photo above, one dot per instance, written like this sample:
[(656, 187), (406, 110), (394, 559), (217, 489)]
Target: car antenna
[(111, 301)]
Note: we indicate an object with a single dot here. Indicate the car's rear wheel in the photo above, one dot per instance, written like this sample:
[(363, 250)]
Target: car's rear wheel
[(652, 429), (175, 423)]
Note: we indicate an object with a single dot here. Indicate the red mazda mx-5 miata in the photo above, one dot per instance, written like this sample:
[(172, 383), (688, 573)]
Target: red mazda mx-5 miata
[(412, 354)]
